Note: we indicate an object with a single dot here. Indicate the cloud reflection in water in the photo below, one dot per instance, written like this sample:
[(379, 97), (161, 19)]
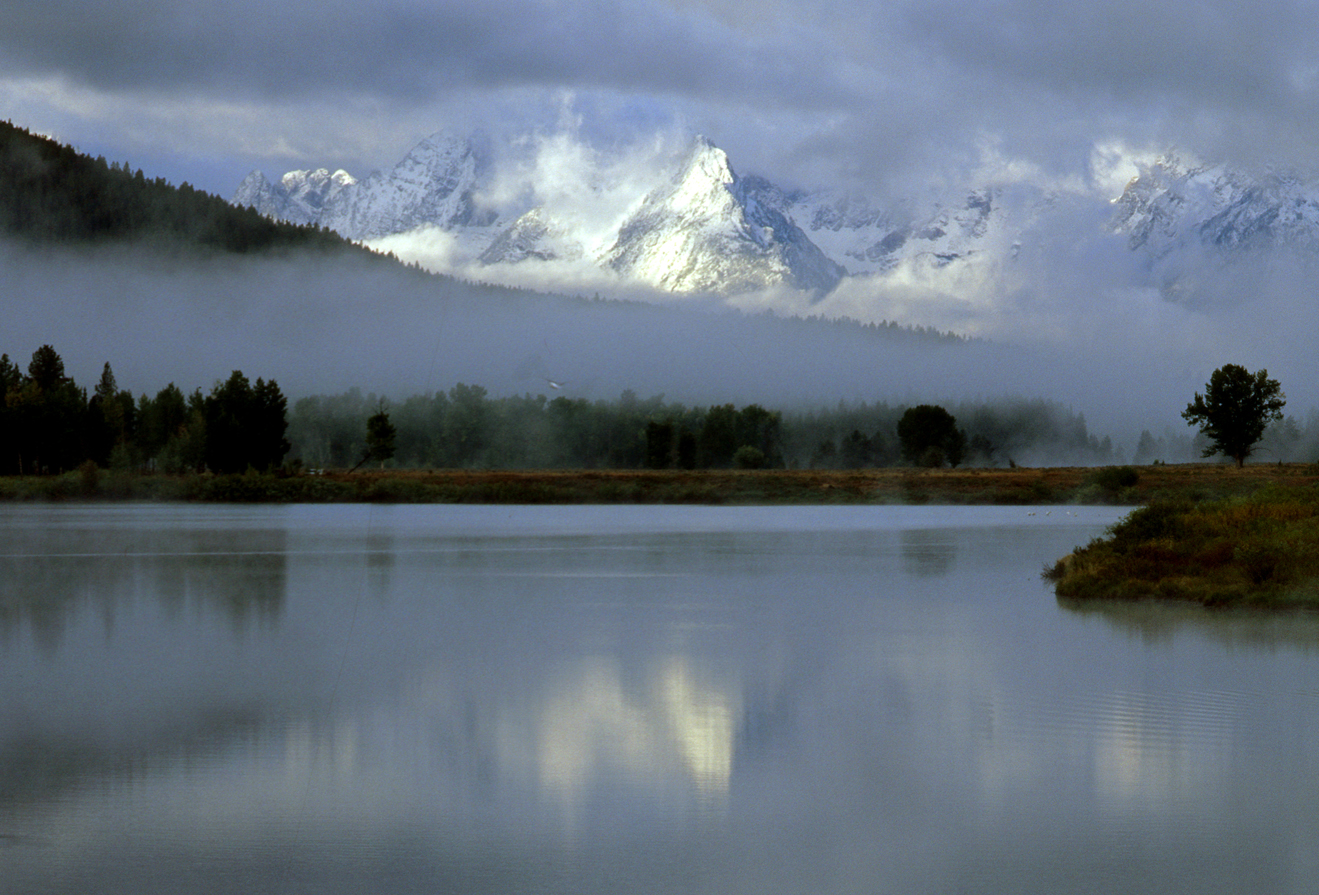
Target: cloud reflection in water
[(594, 727)]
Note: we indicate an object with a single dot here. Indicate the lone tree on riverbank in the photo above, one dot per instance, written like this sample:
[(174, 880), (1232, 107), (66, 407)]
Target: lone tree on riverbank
[(1234, 410), (380, 434), (929, 436)]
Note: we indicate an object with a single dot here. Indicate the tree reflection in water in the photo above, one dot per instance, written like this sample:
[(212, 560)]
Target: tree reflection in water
[(242, 574)]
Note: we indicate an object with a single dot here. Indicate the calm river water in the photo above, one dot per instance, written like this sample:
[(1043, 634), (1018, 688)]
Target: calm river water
[(629, 700)]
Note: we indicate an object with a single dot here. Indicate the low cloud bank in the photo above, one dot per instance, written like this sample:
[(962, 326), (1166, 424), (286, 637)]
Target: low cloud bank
[(1128, 359)]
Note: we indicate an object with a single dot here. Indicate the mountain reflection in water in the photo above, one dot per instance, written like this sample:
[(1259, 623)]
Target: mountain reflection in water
[(640, 699)]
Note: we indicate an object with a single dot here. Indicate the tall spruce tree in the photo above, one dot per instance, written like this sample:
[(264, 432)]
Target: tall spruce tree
[(245, 425)]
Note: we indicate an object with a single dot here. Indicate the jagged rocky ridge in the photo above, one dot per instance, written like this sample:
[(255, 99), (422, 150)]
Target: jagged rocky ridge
[(705, 229), (534, 236), (434, 185), (1172, 206), (708, 230)]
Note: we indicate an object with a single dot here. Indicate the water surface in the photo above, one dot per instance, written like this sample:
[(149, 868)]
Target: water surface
[(635, 699)]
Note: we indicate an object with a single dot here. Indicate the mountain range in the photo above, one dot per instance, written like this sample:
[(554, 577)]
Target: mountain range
[(433, 186), (701, 228), (1172, 206)]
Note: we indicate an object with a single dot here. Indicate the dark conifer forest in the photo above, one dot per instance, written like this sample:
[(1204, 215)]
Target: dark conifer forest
[(51, 193), (50, 424)]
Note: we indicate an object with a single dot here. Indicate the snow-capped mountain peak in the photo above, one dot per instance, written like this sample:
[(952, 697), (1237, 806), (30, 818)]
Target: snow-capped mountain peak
[(1169, 206), (252, 192), (433, 185), (703, 182), (299, 197), (697, 226), (707, 231)]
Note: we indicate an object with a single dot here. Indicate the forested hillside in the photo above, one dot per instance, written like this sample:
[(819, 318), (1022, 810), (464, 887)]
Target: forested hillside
[(52, 193)]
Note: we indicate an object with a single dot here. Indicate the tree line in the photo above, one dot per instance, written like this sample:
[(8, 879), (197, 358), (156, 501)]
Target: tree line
[(466, 427), (49, 424)]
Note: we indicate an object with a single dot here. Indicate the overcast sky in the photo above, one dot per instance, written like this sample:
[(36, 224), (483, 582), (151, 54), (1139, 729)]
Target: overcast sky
[(897, 96)]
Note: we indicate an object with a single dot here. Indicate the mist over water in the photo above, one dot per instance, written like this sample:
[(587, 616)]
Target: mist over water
[(1126, 358), (604, 699)]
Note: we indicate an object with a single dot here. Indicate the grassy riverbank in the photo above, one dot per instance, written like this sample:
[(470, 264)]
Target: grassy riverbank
[(1051, 485), (1259, 550), (1205, 533)]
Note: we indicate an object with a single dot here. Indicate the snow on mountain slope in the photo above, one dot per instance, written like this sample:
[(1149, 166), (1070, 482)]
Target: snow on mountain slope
[(300, 197), (591, 220), (708, 230), (535, 236), (432, 186), (987, 226), (256, 191), (1170, 206), (848, 228)]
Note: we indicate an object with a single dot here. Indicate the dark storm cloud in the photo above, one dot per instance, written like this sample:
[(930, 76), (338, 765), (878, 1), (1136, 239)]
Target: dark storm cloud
[(401, 50), (1233, 81), (895, 91), (1206, 53)]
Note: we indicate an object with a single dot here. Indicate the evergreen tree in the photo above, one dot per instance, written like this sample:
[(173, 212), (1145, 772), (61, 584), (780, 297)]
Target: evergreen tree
[(10, 375), (245, 425), (269, 415), (160, 419), (46, 369), (687, 449), (111, 415), (661, 444), (11, 381), (48, 416), (718, 441)]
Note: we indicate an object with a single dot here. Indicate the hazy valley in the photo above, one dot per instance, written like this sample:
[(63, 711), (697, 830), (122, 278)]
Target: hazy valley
[(1096, 307)]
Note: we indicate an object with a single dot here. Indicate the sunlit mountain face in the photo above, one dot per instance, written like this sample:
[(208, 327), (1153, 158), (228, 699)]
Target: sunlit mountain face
[(683, 221)]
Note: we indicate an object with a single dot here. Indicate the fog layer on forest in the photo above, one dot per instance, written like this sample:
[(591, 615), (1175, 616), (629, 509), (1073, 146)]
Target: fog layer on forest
[(326, 326)]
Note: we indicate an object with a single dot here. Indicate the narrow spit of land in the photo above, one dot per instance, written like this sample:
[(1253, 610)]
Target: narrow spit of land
[(1252, 551), (1204, 533), (1132, 486)]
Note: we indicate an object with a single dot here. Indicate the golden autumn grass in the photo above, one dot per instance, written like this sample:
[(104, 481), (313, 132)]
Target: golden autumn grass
[(1047, 485), (1258, 550)]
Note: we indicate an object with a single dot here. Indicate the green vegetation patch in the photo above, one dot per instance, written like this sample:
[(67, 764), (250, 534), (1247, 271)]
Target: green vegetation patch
[(1258, 550)]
